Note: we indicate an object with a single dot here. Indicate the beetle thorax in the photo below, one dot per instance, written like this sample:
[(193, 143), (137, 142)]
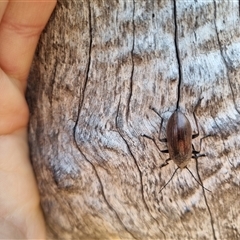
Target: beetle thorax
[(182, 161)]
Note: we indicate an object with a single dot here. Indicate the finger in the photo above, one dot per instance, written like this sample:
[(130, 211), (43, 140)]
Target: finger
[(21, 26), (3, 6), (19, 198), (13, 106)]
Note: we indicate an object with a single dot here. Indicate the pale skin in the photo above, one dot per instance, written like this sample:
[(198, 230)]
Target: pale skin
[(21, 23)]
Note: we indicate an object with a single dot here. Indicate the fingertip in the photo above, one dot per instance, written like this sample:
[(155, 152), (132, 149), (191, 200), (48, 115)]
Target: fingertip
[(20, 29)]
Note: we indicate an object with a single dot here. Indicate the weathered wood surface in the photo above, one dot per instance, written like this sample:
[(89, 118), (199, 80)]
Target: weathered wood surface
[(99, 67)]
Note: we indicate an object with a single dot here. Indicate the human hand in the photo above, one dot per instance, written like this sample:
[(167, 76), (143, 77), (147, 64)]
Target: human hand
[(21, 23)]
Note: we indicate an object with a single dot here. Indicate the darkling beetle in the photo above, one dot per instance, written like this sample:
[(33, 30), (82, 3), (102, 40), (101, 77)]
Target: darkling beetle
[(179, 141)]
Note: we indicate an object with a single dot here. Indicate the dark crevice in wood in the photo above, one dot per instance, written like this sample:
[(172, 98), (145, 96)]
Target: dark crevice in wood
[(89, 51), (117, 114), (135, 163), (138, 168), (206, 202), (102, 190), (239, 8), (53, 83), (82, 94), (222, 55), (132, 60), (81, 99), (177, 51), (133, 157), (141, 182)]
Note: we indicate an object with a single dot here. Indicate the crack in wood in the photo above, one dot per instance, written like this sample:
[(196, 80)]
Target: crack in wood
[(90, 49), (141, 182), (138, 168), (81, 99), (177, 51), (239, 8), (206, 202), (176, 38), (82, 95), (53, 82), (223, 58), (133, 64), (103, 191)]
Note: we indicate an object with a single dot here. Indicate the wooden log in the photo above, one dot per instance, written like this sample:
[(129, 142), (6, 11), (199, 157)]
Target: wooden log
[(100, 67)]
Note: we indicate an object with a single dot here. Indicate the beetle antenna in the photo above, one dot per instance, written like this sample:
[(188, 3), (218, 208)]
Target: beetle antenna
[(154, 109), (169, 180), (197, 180)]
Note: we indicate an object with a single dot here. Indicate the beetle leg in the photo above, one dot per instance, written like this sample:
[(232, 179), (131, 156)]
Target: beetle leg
[(155, 111), (165, 163), (198, 103), (198, 156), (197, 152), (196, 134), (164, 151), (160, 130), (161, 140), (146, 136)]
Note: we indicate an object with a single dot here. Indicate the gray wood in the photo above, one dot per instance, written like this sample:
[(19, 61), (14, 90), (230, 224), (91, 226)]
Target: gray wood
[(99, 68)]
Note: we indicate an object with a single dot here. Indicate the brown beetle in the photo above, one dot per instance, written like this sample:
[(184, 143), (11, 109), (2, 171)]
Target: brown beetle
[(179, 142), (179, 139)]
